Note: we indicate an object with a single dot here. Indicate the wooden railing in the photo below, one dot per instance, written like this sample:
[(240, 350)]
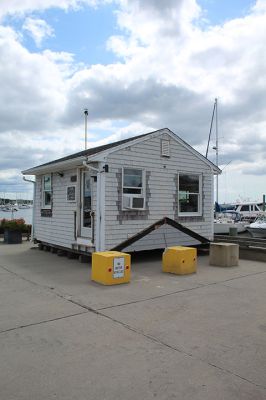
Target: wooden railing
[(242, 241)]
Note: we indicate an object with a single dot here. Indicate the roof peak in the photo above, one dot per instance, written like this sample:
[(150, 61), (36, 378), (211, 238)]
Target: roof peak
[(94, 150)]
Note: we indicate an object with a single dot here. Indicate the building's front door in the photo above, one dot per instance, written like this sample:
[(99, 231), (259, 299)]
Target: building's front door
[(86, 205)]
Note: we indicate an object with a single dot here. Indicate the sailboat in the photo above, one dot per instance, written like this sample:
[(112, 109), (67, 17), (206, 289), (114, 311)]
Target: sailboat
[(224, 220)]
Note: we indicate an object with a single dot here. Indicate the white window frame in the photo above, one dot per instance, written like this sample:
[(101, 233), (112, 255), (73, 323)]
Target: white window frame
[(46, 206), (75, 199), (143, 188), (200, 196)]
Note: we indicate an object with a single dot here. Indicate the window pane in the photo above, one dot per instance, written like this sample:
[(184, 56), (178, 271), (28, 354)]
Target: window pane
[(47, 182), (87, 186), (189, 183), (132, 177), (131, 191), (71, 193), (87, 200), (188, 202), (47, 198)]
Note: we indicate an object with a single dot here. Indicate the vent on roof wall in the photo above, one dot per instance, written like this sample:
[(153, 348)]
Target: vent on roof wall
[(165, 148)]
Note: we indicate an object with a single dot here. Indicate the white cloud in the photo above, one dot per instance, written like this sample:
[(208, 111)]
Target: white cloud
[(19, 7), (169, 73), (260, 6), (166, 78), (33, 92), (38, 29)]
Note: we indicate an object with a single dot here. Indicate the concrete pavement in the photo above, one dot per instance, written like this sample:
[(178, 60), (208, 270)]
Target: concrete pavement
[(162, 336)]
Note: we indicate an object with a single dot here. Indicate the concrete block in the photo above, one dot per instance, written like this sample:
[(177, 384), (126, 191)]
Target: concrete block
[(224, 254), (111, 267), (180, 260)]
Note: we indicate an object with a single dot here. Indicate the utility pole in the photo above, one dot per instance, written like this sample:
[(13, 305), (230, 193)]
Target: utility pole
[(86, 122)]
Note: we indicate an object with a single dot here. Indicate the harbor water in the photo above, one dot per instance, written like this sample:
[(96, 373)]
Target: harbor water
[(25, 213)]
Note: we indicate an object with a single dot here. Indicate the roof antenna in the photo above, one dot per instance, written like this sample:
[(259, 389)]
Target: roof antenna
[(86, 123)]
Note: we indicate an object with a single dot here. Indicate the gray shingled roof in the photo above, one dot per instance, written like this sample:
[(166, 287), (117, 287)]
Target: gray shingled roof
[(92, 151), (95, 150)]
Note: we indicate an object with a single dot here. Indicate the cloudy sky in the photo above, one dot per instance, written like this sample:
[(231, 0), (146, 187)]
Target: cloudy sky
[(137, 65)]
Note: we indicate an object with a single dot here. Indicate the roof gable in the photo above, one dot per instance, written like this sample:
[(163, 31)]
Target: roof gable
[(92, 153), (141, 138)]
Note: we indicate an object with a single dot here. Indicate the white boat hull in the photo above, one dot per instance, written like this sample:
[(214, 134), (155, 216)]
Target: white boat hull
[(222, 228), (258, 228), (257, 232)]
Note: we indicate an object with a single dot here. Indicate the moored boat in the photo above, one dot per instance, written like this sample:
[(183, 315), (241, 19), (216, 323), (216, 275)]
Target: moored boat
[(24, 206), (248, 211), (258, 227), (224, 221), (9, 208)]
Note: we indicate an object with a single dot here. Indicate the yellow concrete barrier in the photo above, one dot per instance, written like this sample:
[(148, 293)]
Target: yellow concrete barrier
[(180, 260), (111, 267)]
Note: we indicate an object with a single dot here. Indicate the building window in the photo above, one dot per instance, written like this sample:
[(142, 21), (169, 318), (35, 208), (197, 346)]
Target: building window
[(189, 194), (133, 181), (133, 189), (71, 193), (47, 191)]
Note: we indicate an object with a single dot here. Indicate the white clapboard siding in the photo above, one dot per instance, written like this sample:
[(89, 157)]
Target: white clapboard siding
[(162, 190), (164, 236), (58, 229)]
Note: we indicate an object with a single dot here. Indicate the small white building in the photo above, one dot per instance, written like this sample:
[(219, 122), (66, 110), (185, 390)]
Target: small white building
[(146, 192)]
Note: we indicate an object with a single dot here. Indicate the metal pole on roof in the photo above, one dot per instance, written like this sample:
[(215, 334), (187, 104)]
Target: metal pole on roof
[(86, 123)]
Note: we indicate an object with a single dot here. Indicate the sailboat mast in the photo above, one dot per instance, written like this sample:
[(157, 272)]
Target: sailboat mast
[(209, 138), (214, 114), (216, 146)]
